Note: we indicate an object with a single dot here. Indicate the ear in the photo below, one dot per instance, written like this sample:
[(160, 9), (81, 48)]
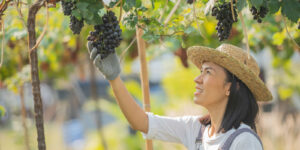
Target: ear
[(227, 88)]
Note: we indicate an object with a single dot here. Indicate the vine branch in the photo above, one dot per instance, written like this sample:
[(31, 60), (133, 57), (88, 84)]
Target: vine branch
[(245, 34), (172, 11), (289, 35), (44, 29)]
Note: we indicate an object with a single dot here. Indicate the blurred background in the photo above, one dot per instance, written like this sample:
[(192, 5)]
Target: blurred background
[(80, 112)]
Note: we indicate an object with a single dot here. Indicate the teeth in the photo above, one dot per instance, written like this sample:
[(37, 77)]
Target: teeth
[(198, 90)]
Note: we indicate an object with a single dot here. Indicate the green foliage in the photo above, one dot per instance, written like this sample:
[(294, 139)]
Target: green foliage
[(291, 9), (241, 4), (2, 111), (256, 3), (18, 79)]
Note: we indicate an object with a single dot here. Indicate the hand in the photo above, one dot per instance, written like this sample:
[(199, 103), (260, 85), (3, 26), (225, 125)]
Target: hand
[(109, 66)]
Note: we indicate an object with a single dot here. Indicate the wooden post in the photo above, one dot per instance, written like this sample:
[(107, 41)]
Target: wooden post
[(144, 76)]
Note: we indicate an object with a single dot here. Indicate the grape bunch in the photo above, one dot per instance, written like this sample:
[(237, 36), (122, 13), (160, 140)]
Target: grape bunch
[(299, 25), (107, 36), (259, 14), (190, 1), (223, 14), (75, 25), (67, 7)]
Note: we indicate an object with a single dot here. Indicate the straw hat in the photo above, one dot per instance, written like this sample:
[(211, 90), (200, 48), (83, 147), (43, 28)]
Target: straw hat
[(235, 60)]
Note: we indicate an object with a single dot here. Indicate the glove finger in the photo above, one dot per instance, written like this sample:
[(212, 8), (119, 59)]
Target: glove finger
[(97, 60), (93, 53), (89, 46)]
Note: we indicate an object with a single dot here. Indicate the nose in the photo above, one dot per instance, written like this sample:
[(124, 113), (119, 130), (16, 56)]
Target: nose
[(198, 79)]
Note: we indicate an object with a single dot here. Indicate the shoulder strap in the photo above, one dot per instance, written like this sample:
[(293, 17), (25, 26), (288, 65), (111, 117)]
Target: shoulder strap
[(230, 139), (200, 134)]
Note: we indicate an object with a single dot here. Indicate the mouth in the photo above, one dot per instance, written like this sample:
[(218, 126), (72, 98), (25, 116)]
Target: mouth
[(198, 91)]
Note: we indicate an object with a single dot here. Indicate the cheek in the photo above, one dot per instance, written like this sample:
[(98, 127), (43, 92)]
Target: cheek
[(214, 89)]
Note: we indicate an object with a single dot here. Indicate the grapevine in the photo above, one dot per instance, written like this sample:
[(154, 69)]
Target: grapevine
[(223, 14), (107, 36), (259, 14), (75, 23)]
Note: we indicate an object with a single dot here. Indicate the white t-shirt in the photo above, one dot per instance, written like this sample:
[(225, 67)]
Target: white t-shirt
[(185, 130)]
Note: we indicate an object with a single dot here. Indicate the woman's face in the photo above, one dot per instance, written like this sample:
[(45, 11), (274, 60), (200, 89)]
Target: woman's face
[(211, 85)]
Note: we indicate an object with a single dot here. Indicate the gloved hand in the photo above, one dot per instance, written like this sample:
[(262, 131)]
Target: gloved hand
[(109, 66)]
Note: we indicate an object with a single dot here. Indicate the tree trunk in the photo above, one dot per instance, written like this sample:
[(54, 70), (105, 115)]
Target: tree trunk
[(94, 96), (24, 114), (38, 105)]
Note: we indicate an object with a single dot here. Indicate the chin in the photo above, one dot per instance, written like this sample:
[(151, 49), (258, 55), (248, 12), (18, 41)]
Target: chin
[(197, 101)]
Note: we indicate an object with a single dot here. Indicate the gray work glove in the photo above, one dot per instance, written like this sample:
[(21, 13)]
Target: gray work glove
[(109, 66)]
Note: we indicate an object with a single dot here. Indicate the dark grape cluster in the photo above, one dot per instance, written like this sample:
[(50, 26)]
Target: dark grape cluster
[(67, 7), (75, 24), (107, 36), (259, 14), (299, 25), (190, 1), (223, 14)]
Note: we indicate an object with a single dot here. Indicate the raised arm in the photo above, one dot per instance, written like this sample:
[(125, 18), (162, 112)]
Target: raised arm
[(135, 115), (110, 68)]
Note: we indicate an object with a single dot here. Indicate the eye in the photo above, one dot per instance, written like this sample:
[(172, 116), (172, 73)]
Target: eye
[(207, 71)]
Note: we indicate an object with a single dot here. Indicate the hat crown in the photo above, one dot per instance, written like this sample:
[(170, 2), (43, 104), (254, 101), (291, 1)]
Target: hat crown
[(241, 56)]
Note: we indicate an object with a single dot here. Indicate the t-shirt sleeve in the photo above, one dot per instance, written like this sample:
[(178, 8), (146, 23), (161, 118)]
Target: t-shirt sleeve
[(171, 129), (246, 141)]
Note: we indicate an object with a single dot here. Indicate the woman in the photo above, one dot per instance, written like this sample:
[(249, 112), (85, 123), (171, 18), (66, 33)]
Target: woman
[(228, 87)]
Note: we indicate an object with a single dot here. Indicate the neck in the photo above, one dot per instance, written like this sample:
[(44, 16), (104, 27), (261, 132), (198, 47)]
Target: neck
[(216, 112)]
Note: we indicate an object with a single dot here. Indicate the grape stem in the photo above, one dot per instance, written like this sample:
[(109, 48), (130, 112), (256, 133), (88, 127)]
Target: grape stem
[(245, 35), (232, 12), (126, 49), (121, 8), (172, 12), (19, 12)]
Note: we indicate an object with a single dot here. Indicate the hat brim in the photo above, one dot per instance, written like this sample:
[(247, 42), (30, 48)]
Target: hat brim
[(200, 54)]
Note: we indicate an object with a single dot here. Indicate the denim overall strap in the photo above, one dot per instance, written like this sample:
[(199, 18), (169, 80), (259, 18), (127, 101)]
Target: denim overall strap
[(200, 134), (230, 139)]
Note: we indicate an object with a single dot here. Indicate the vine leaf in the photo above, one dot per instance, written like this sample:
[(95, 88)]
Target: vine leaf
[(129, 4), (241, 4), (291, 9), (256, 3), (274, 6)]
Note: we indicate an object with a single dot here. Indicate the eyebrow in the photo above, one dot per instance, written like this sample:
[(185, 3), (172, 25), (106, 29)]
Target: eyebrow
[(206, 68)]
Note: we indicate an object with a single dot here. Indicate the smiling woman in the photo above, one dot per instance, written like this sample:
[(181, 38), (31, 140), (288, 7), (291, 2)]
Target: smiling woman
[(228, 87)]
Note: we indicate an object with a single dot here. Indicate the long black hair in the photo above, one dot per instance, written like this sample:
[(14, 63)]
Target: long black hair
[(241, 106)]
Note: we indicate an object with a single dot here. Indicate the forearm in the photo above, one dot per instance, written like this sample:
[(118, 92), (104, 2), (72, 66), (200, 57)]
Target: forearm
[(135, 115)]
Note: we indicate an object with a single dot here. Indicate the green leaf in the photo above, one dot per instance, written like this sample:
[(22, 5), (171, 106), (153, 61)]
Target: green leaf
[(291, 9), (274, 6), (77, 14), (278, 38), (101, 12), (152, 3), (129, 4), (256, 3), (138, 3), (285, 92), (189, 30), (241, 4), (2, 111), (82, 6)]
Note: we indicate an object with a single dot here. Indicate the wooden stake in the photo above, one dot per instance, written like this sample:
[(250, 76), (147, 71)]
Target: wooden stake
[(144, 76)]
